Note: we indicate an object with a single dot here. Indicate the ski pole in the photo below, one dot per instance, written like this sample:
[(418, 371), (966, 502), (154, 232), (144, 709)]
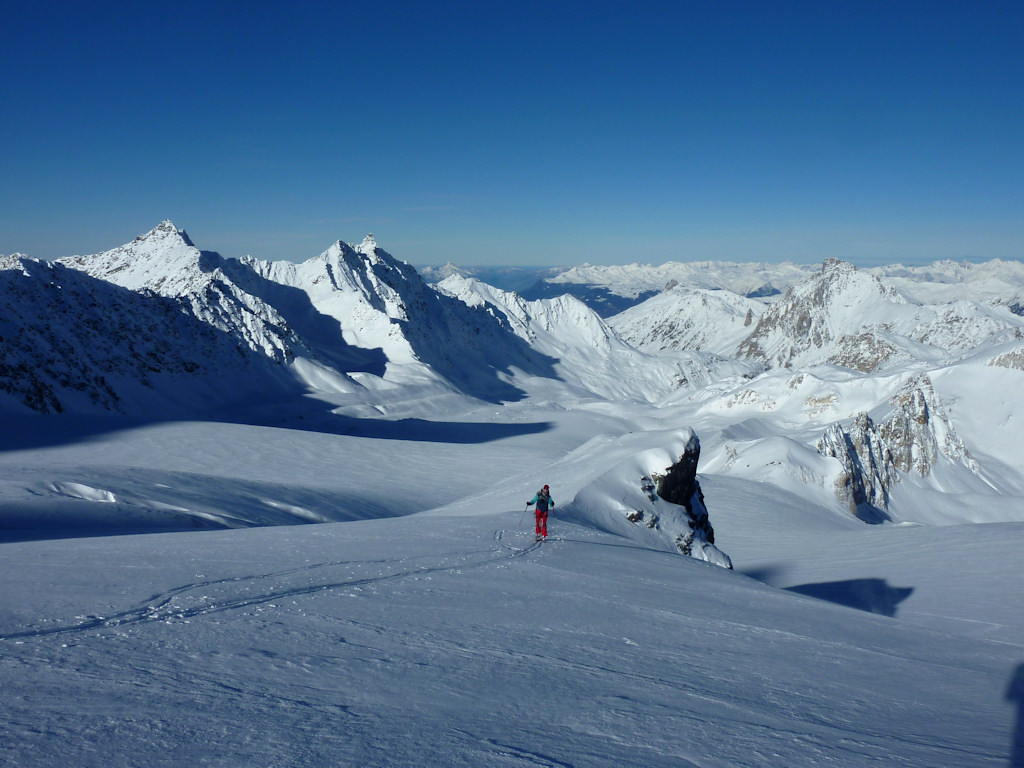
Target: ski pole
[(523, 516)]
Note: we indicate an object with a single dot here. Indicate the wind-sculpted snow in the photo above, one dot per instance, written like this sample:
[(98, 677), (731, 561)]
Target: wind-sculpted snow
[(652, 496), (458, 641)]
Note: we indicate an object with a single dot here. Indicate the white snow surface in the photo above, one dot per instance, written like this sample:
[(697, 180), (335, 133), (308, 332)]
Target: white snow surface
[(631, 280), (450, 637), (689, 318), (347, 574), (591, 355)]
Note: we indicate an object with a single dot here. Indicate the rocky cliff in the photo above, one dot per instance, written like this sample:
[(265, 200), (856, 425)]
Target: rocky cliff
[(914, 438)]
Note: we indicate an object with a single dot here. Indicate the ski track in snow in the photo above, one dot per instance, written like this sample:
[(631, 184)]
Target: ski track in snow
[(192, 600)]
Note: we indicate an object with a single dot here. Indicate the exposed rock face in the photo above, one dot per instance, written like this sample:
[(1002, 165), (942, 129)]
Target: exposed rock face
[(849, 318), (914, 437), (1013, 360), (919, 430), (679, 486), (868, 467)]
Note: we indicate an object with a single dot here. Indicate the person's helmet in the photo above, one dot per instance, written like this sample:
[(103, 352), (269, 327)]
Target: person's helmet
[(545, 488)]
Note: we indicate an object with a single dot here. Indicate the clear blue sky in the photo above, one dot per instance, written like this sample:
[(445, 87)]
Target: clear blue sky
[(493, 132)]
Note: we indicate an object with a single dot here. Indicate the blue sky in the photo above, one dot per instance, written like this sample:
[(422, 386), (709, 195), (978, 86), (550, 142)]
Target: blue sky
[(518, 132)]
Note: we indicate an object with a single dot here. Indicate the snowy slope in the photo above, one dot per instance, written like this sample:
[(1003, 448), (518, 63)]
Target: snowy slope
[(592, 357), (454, 639), (73, 343), (684, 318), (415, 621)]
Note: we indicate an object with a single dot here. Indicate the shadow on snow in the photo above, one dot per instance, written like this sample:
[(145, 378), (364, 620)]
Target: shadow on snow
[(871, 595)]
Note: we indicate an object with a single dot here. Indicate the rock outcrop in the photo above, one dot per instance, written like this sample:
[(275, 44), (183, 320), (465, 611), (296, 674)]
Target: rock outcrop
[(913, 439), (868, 470), (679, 487)]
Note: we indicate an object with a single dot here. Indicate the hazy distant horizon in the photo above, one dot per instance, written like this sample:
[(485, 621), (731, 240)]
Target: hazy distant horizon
[(628, 257)]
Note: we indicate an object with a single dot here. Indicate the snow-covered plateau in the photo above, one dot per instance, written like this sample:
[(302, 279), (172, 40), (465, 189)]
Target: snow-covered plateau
[(274, 514)]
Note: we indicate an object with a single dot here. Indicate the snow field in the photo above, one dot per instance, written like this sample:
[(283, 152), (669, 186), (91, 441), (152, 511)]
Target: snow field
[(452, 638)]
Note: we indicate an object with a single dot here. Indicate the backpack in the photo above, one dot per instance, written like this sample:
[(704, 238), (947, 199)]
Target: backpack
[(542, 501)]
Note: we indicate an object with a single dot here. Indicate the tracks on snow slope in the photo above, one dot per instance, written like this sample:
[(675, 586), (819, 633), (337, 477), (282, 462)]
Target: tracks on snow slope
[(203, 598)]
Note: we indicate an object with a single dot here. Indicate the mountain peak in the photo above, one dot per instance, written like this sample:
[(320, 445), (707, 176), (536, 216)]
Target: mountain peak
[(164, 231), (368, 246), (837, 266)]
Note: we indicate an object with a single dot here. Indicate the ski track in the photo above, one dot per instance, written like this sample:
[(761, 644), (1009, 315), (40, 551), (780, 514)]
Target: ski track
[(160, 607)]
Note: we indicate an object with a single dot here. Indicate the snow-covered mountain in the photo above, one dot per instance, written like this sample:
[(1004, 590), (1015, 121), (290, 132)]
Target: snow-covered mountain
[(996, 281), (631, 280), (352, 311), (847, 317), (689, 318), (591, 355), (943, 282), (74, 343), (164, 261), (522, 280)]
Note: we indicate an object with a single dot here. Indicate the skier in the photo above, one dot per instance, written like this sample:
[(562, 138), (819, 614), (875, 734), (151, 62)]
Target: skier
[(544, 502)]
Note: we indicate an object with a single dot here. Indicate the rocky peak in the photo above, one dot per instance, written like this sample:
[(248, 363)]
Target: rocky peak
[(823, 319), (166, 233), (833, 266), (868, 470)]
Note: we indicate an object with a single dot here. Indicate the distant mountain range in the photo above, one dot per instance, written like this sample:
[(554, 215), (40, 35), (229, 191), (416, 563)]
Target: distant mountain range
[(861, 382)]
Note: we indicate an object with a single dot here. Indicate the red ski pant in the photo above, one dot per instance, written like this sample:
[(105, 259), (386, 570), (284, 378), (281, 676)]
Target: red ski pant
[(542, 521)]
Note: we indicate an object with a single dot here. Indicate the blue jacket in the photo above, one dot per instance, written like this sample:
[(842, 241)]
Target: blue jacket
[(542, 502)]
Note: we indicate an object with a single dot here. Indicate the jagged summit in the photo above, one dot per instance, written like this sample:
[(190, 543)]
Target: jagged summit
[(825, 317), (836, 266), (165, 231), (163, 260)]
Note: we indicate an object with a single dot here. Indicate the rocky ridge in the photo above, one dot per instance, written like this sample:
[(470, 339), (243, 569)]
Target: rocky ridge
[(874, 456), (71, 342)]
